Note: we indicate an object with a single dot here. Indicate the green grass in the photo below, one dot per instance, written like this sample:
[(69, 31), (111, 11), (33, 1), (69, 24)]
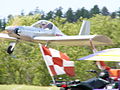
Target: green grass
[(27, 87)]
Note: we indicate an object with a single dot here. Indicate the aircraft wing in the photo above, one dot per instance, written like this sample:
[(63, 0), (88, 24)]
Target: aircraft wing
[(80, 40), (6, 36), (75, 40)]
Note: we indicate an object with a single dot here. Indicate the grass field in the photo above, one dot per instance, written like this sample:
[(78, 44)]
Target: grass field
[(26, 87)]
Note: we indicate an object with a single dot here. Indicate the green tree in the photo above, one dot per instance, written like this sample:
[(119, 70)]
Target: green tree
[(49, 15), (94, 10), (113, 15), (83, 13), (31, 13), (77, 14), (69, 15), (0, 24), (10, 17), (24, 20), (58, 12), (36, 11), (22, 13), (3, 23), (105, 11)]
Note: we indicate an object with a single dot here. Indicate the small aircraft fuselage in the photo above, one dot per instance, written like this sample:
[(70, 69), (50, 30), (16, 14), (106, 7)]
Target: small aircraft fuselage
[(28, 31), (38, 29)]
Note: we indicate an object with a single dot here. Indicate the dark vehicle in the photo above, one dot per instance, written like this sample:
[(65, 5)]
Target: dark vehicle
[(100, 82)]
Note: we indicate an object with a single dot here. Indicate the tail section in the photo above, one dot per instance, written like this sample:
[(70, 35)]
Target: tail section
[(85, 28)]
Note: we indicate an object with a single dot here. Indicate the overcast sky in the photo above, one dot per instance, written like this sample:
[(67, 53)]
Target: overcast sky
[(14, 7)]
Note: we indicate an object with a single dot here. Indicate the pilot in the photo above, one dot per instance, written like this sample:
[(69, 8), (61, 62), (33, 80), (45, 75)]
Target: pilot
[(45, 25)]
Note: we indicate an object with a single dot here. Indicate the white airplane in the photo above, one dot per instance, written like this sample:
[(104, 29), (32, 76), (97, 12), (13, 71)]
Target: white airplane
[(45, 32)]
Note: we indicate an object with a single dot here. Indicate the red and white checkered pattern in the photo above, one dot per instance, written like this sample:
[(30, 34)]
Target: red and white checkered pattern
[(58, 62)]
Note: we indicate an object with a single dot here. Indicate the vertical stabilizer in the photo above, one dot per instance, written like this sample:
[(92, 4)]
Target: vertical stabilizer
[(85, 28)]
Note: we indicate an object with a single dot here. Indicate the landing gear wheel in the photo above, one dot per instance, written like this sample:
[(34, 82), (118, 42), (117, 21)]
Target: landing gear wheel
[(10, 50), (11, 47)]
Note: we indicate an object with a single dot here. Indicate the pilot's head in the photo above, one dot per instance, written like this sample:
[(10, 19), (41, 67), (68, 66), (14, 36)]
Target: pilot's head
[(45, 25)]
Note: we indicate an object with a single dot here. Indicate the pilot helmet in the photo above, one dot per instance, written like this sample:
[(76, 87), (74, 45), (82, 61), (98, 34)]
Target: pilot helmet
[(43, 23)]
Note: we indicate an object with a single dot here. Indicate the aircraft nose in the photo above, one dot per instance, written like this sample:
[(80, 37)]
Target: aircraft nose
[(11, 28)]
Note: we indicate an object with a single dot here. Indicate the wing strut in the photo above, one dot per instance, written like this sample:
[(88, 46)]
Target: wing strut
[(100, 64)]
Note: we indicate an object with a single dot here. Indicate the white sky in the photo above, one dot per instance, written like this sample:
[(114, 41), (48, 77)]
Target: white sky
[(14, 7)]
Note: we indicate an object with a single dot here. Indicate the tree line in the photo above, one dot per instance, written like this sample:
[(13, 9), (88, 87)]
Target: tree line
[(70, 15), (73, 16)]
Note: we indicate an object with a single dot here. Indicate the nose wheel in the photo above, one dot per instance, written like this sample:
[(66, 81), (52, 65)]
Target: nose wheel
[(11, 47)]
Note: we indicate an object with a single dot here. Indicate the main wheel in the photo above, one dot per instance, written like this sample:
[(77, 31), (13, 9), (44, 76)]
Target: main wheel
[(10, 50)]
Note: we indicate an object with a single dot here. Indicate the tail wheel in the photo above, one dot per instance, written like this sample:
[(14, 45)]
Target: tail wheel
[(10, 50)]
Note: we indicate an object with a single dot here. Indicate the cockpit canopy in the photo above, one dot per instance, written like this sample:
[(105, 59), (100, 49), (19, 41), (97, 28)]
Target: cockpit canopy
[(47, 25), (43, 24)]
